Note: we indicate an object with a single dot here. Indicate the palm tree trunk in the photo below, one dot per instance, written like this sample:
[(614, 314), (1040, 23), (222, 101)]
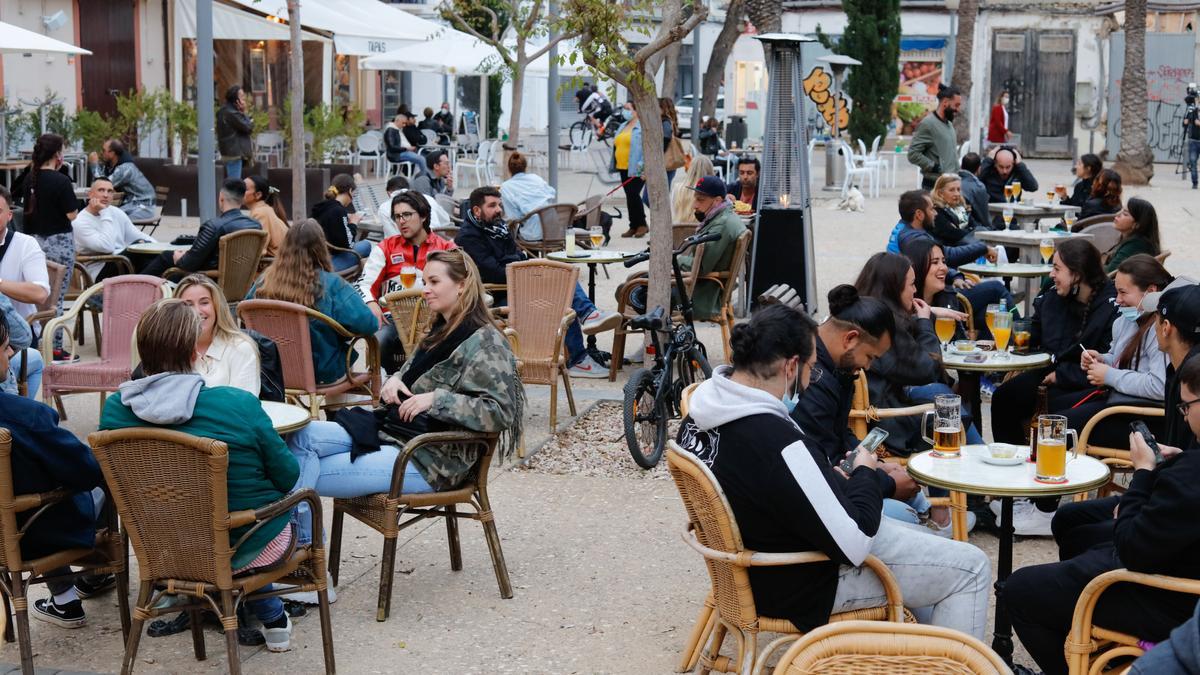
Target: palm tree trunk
[(767, 17), (964, 47), (721, 49), (296, 66), (1135, 162)]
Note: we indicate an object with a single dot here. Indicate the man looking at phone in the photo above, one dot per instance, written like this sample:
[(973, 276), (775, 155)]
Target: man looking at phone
[(1152, 529), (1177, 325)]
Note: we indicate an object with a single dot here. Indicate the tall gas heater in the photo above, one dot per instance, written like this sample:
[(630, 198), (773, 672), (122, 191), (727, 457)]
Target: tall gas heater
[(782, 252)]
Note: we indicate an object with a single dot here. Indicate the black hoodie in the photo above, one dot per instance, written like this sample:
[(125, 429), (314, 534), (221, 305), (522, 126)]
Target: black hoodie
[(1060, 325), (335, 221)]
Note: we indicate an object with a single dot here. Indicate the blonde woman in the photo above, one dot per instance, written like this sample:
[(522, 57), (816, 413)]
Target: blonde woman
[(263, 201), (225, 356), (682, 194), (951, 224)]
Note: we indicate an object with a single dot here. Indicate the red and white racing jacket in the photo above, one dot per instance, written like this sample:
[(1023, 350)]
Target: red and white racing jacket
[(381, 270)]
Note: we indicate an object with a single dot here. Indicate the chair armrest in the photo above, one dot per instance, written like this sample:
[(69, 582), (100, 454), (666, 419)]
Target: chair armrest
[(33, 500), (875, 414), (1079, 641), (63, 321), (263, 514), (120, 260), (1141, 411), (437, 437)]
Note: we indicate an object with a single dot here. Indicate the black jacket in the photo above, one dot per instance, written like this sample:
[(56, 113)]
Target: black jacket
[(823, 414), (391, 144), (1094, 206), (490, 254), (335, 221), (1176, 430), (1080, 193), (947, 229), (1059, 326), (205, 251), (912, 361), (1156, 530), (233, 133), (710, 142), (994, 183)]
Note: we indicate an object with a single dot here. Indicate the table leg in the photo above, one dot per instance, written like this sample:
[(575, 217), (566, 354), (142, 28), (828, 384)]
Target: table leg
[(969, 387), (1031, 289), (592, 349), (1002, 636)]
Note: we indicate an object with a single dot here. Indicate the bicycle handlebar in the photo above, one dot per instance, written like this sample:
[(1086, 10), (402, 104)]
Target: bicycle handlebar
[(694, 240)]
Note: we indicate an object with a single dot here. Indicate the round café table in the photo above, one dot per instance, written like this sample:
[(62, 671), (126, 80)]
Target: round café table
[(970, 474), (286, 417), (969, 373), (155, 247), (1027, 271), (592, 258)]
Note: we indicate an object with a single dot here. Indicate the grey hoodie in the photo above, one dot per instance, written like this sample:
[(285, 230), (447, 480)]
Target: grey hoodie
[(164, 398)]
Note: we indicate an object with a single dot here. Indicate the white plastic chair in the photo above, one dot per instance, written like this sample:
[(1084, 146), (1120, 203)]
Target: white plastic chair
[(853, 170), (369, 146), (872, 162), (478, 164), (963, 150), (492, 166), (268, 145)]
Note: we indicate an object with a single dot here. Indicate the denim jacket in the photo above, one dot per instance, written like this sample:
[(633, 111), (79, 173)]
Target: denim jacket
[(636, 160)]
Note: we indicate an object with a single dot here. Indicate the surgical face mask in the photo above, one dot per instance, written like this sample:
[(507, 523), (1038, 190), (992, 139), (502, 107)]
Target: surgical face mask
[(1129, 313), (790, 402), (1004, 101)]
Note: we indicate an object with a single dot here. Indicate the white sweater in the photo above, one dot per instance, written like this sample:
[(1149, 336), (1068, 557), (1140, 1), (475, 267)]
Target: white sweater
[(109, 233)]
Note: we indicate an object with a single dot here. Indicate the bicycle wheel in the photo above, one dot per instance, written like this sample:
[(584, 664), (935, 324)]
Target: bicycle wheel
[(645, 419), (580, 134)]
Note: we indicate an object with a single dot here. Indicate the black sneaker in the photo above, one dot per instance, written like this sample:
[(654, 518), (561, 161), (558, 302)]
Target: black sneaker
[(90, 587), (69, 615)]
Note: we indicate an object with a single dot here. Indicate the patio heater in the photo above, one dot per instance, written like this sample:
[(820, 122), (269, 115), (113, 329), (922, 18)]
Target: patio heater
[(782, 252), (838, 63)]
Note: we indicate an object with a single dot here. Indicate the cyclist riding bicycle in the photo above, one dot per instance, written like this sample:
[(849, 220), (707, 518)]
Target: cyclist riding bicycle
[(597, 108)]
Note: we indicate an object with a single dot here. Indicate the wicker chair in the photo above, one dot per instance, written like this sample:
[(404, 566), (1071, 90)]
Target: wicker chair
[(385, 513), (82, 280), (287, 324), (237, 263), (727, 280), (968, 309), (1090, 648), (627, 312), (1117, 459), (537, 318), (555, 219), (877, 648), (48, 308), (125, 298), (170, 489), (18, 573), (410, 315), (713, 532)]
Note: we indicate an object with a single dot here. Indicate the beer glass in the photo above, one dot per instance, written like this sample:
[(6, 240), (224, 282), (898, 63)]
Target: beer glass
[(947, 426), (408, 276), (1016, 190), (1052, 453), (1008, 217), (990, 316), (1046, 248), (596, 235)]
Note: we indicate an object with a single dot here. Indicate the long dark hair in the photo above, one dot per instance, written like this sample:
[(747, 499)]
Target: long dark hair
[(1145, 220), (918, 253), (773, 333), (44, 150), (1081, 258), (850, 311), (269, 195), (1107, 188), (883, 277), (1144, 271), (1093, 164)]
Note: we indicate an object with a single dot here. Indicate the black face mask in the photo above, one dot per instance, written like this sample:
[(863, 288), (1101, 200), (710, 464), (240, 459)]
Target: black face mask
[(699, 215)]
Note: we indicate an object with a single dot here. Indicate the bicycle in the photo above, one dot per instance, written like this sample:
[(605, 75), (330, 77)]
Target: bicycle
[(583, 131), (652, 394)]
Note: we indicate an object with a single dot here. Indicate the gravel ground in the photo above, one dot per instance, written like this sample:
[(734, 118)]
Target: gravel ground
[(594, 446)]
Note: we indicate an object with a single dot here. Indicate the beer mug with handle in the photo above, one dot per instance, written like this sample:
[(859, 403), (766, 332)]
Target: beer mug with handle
[(1052, 453), (947, 426)]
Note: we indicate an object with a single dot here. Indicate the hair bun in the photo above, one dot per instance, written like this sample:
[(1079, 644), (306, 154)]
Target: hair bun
[(743, 339), (842, 298)]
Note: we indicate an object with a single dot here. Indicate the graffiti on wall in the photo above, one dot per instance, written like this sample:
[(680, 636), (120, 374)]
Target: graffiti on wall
[(818, 87), (1166, 85)]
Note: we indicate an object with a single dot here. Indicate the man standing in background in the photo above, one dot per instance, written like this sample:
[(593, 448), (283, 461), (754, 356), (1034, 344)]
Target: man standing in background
[(934, 147)]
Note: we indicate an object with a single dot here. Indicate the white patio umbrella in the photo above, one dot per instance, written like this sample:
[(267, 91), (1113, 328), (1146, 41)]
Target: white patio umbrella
[(452, 54), (17, 40)]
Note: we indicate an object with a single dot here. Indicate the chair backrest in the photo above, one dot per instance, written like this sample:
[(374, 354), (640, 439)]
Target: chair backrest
[(286, 323), (368, 143), (125, 298), (238, 261), (10, 533), (161, 192), (1084, 223), (887, 648), (591, 207), (1104, 235), (555, 219), (171, 492), (410, 315), (862, 148), (967, 309), (735, 266), (875, 147), (539, 294), (430, 136), (712, 519), (681, 231), (56, 274), (1162, 257), (269, 140)]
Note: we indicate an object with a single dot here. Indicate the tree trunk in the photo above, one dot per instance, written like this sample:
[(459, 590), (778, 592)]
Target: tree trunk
[(1135, 161), (654, 171), (296, 83), (721, 49), (514, 116), (767, 17), (670, 71), (964, 47)]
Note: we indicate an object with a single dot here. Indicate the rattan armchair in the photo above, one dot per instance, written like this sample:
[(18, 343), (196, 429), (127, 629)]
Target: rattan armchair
[(396, 510), (1117, 459), (713, 532), (411, 316), (536, 320), (556, 219), (237, 263), (83, 280), (627, 312), (1090, 648), (17, 573), (170, 489), (727, 280), (878, 648), (287, 324)]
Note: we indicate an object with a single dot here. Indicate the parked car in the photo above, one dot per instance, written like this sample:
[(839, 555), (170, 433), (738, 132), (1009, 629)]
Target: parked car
[(683, 107)]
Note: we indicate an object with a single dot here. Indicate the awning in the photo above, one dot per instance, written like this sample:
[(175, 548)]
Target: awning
[(17, 40), (231, 23), (457, 54), (358, 27), (913, 44)]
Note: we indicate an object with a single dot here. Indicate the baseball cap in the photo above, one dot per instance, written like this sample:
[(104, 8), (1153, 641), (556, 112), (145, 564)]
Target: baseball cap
[(711, 186), (1181, 306), (1150, 301)]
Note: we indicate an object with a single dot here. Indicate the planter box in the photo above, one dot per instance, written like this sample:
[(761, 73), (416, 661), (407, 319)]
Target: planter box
[(184, 180)]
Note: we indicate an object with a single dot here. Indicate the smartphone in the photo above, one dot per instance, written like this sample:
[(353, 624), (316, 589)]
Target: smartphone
[(871, 443), (1139, 427)]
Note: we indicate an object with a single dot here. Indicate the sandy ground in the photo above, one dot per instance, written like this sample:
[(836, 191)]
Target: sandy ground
[(602, 581)]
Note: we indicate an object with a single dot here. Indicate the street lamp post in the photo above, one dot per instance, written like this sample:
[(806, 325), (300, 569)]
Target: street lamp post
[(952, 42), (838, 63)]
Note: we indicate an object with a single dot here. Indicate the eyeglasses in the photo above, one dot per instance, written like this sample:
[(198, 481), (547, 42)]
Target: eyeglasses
[(403, 216), (1183, 406)]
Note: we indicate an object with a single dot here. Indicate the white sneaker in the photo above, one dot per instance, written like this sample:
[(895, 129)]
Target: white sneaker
[(947, 530), (279, 639), (588, 367), (638, 356), (310, 597), (598, 322), (1028, 519)]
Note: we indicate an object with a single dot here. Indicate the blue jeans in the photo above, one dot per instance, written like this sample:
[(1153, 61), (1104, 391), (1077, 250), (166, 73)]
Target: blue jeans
[(1193, 155), (233, 168), (417, 160), (323, 451), (574, 340), (908, 512), (266, 610), (926, 393), (342, 260), (33, 372)]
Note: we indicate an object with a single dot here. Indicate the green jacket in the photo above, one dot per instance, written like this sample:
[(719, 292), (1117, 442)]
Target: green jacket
[(718, 257), (477, 387), (1125, 248), (934, 147), (261, 468)]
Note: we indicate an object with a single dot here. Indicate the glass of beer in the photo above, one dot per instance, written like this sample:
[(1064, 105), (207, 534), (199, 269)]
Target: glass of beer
[(1008, 193), (947, 426), (1050, 197), (1052, 453), (1021, 333), (992, 311), (1046, 248), (596, 235), (1069, 219), (1008, 216), (1001, 332), (1016, 190), (408, 276), (944, 327)]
